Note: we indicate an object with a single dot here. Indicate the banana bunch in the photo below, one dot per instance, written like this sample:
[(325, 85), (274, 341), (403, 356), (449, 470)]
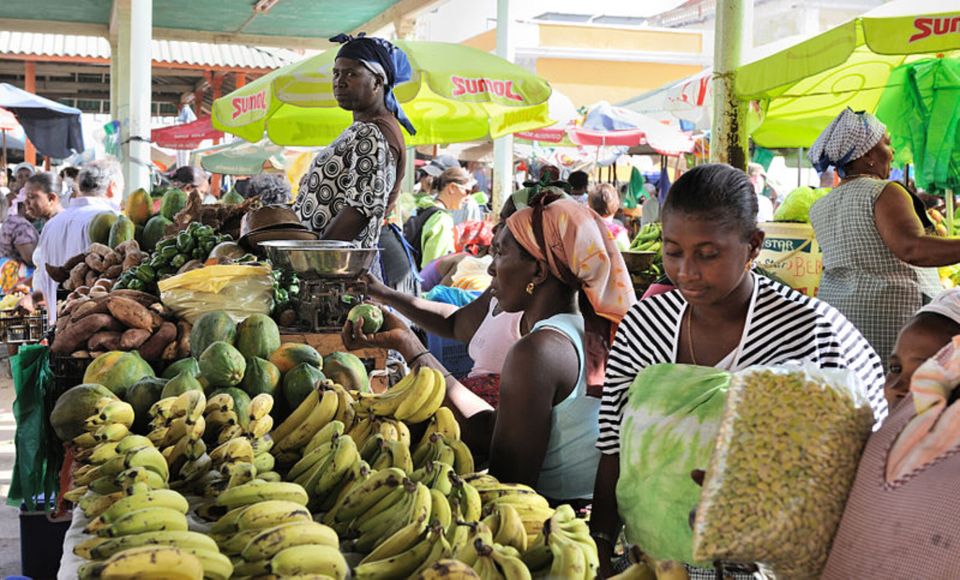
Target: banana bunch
[(327, 467), (507, 527), (142, 513), (437, 447), (231, 465), (311, 560), (237, 527), (405, 553), (222, 419), (133, 460), (649, 569), (381, 453), (491, 560), (110, 423), (263, 460), (259, 423), (414, 399), (177, 427), (533, 508), (329, 403), (448, 569), (647, 239), (564, 548), (215, 566), (147, 562), (368, 425)]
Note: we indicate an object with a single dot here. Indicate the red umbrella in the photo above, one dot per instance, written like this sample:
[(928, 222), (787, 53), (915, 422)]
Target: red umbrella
[(187, 136)]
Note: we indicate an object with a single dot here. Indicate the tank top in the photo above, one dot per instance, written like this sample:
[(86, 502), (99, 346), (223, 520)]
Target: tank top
[(908, 529), (570, 464), (492, 341)]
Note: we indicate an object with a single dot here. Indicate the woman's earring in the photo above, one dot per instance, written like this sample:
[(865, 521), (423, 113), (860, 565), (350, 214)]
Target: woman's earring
[(748, 266), (530, 288)]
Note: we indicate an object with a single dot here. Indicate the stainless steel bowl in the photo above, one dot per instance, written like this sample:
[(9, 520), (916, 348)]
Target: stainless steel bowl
[(321, 258)]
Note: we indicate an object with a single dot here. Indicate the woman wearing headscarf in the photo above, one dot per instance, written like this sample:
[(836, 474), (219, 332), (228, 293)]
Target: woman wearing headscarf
[(555, 263), (351, 183), (879, 247)]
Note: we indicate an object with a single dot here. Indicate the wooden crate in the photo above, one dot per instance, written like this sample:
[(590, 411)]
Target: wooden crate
[(326, 343)]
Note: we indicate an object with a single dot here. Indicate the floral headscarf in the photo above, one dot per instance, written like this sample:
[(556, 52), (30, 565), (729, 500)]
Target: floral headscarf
[(573, 241)]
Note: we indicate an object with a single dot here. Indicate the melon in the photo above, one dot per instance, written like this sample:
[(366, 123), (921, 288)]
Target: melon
[(117, 371), (74, 406)]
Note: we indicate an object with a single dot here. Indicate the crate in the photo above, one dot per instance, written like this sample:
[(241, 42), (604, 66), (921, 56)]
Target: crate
[(451, 353), (41, 542), (67, 372), (19, 328)]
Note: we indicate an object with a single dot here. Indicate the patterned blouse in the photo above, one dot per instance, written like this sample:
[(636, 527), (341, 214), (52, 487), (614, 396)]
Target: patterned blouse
[(16, 230), (357, 170)]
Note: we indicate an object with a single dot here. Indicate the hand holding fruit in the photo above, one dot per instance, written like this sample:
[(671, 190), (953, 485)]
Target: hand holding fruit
[(393, 334)]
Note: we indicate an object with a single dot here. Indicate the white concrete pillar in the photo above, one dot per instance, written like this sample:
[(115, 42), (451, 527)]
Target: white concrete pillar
[(132, 26), (728, 134), (503, 147)]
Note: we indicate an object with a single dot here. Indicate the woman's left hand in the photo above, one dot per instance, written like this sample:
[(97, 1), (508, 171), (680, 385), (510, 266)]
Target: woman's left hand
[(393, 334)]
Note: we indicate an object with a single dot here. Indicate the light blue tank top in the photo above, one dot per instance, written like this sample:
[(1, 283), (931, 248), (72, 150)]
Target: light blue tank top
[(570, 464)]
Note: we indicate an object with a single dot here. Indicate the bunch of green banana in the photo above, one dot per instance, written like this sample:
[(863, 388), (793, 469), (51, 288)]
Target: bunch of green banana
[(414, 399), (222, 421), (437, 447), (259, 422), (647, 239), (533, 508), (405, 553), (318, 409), (215, 565), (111, 422), (448, 569), (146, 562), (564, 548)]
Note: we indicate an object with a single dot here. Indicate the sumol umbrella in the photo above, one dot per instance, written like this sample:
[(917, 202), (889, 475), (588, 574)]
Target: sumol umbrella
[(456, 94), (186, 136), (921, 108)]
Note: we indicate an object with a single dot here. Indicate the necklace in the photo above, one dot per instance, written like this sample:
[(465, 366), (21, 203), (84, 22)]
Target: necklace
[(858, 175), (693, 356)]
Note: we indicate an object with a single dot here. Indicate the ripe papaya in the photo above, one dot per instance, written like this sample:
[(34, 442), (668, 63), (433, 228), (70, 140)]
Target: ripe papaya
[(121, 231), (172, 202), (258, 336), (347, 370), (210, 328), (138, 207), (221, 365), (99, 230), (74, 406), (117, 371), (291, 354), (260, 376)]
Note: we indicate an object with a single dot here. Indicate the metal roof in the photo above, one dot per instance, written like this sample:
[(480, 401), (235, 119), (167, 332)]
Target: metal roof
[(164, 51)]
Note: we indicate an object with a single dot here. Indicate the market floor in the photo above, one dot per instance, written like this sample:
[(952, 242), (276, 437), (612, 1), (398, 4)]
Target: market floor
[(9, 516)]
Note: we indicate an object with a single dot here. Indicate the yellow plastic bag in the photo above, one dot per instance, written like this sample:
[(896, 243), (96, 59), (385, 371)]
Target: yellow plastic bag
[(237, 290)]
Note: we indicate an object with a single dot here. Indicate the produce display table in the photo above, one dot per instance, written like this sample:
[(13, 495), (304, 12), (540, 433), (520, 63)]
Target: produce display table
[(328, 342)]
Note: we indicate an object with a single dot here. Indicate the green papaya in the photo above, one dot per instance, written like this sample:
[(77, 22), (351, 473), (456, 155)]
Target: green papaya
[(222, 365), (138, 206), (121, 231), (117, 370), (232, 197), (180, 384), (241, 403), (185, 364), (210, 328), (172, 202), (347, 370), (74, 406), (298, 383), (142, 395), (258, 336), (371, 314), (291, 354), (260, 376), (154, 231), (99, 230)]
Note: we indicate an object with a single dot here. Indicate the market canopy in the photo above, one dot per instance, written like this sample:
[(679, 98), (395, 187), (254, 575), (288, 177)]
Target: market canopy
[(456, 94), (805, 86), (54, 129)]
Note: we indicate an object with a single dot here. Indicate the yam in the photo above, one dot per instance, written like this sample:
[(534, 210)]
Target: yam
[(133, 338), (144, 298), (94, 262), (91, 277), (105, 340), (132, 259), (69, 265), (183, 343), (58, 274), (89, 307), (99, 249), (170, 351), (127, 247), (78, 333), (153, 348), (130, 312), (113, 272)]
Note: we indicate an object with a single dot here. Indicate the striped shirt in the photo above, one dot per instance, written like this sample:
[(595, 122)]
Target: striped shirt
[(783, 326)]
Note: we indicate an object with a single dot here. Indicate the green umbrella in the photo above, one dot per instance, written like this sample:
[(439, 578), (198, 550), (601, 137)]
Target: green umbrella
[(456, 94), (921, 108)]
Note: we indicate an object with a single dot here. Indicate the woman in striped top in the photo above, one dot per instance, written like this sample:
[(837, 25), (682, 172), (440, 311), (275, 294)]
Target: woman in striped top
[(721, 314)]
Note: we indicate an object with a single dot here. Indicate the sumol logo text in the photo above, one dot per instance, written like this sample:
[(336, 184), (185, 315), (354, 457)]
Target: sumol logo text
[(254, 102), (465, 86), (935, 26)]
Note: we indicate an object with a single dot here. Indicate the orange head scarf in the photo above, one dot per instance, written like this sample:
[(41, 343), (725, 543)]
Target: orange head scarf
[(577, 248)]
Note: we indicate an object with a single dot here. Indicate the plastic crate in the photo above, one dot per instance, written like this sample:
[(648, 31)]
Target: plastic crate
[(451, 353), (41, 542), (67, 372)]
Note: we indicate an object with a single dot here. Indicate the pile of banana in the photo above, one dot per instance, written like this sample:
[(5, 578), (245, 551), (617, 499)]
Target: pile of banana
[(268, 531), (491, 559), (532, 508), (177, 427), (564, 548), (648, 239), (110, 423), (151, 561), (329, 402)]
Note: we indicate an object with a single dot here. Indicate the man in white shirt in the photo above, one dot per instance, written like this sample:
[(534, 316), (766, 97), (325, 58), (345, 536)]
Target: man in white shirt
[(99, 188)]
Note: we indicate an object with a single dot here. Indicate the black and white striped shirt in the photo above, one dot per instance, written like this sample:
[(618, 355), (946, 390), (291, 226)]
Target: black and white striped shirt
[(783, 326)]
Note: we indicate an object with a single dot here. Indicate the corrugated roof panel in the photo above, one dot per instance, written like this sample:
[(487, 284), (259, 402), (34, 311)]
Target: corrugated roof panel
[(195, 53)]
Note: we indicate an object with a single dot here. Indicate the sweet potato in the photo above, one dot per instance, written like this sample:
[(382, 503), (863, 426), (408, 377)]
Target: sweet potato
[(91, 277), (144, 298), (87, 308), (153, 348), (132, 259), (105, 283), (79, 332), (58, 274), (113, 272), (94, 262), (133, 338), (170, 352), (99, 249), (130, 312), (183, 343), (74, 261), (104, 340), (112, 259)]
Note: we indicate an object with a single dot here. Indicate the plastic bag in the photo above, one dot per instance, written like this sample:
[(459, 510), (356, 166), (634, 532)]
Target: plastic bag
[(448, 295), (669, 426), (796, 206), (237, 290), (786, 457)]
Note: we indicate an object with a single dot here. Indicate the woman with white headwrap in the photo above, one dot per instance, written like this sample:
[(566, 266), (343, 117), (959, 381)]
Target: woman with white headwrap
[(879, 249)]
